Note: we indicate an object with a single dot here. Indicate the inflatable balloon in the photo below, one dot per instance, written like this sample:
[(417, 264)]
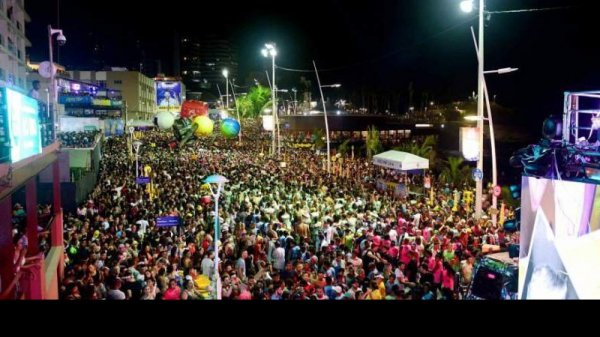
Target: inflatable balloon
[(192, 109), (230, 128), (165, 120), (205, 126)]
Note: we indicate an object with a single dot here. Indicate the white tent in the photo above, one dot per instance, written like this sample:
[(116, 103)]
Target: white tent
[(401, 161)]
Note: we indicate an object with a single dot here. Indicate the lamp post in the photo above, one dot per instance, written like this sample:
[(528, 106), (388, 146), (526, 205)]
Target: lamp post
[(61, 40), (219, 181), (501, 71), (271, 51), (237, 109), (325, 115), (468, 6), (226, 74), (136, 146), (131, 130), (295, 101)]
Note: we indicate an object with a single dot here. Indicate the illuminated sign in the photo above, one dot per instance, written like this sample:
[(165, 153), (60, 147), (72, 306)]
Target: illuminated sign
[(20, 129), (469, 143), (168, 96)]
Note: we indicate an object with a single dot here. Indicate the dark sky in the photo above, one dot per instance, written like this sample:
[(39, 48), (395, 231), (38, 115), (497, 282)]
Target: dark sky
[(379, 44)]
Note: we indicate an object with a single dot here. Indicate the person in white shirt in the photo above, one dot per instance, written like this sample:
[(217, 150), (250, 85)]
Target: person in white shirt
[(279, 257)]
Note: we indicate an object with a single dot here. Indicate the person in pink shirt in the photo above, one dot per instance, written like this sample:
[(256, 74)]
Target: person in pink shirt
[(173, 293), (438, 270), (405, 252)]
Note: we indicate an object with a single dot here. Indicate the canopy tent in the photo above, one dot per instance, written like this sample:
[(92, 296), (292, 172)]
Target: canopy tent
[(401, 161)]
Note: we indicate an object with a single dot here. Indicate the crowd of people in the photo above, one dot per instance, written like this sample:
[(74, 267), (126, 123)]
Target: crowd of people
[(286, 232), (78, 140)]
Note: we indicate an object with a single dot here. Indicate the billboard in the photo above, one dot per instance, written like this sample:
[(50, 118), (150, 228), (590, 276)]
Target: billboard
[(168, 96), (20, 129), (560, 240)]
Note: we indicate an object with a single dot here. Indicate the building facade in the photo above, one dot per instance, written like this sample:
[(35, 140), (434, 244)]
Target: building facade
[(137, 91), (13, 63), (202, 62)]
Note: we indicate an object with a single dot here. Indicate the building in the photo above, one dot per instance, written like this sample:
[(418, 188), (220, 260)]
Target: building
[(13, 66), (138, 91), (202, 61)]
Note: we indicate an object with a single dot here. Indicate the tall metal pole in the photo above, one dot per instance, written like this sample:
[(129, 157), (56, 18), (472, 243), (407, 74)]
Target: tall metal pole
[(53, 84), (326, 120), (480, 109), (227, 92), (217, 232), (274, 99), (237, 109), (492, 136)]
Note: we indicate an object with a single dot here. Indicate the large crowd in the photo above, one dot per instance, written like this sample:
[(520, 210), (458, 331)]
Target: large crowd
[(287, 232), (83, 139)]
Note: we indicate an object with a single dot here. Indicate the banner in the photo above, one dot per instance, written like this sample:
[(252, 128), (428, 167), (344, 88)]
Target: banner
[(168, 221), (168, 96), (469, 143)]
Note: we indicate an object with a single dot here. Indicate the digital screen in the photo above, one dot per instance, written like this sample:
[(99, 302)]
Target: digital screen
[(23, 127), (560, 240), (168, 96)]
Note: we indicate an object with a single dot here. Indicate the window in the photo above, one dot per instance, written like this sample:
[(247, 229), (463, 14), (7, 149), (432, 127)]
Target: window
[(118, 82)]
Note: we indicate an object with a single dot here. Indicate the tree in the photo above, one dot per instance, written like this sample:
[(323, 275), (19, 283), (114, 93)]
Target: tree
[(427, 149), (343, 148), (318, 138), (252, 105), (455, 172), (373, 143)]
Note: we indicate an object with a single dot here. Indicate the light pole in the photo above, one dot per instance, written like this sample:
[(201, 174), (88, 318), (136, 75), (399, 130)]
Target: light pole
[(237, 109), (226, 74), (131, 130), (271, 51), (467, 6), (219, 181), (501, 71), (325, 115), (295, 101), (136, 146), (61, 40)]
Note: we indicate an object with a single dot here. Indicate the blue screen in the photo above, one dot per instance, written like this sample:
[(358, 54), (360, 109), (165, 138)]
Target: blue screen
[(24, 126)]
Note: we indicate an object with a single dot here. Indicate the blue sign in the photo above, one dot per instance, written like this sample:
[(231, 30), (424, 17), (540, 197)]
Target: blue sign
[(142, 180), (168, 221), (477, 175), (20, 127)]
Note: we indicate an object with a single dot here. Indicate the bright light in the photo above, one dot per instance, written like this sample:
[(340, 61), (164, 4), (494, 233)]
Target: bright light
[(443, 126), (225, 72), (469, 143), (431, 103), (265, 53), (269, 46), (472, 118), (422, 126), (467, 6), (596, 123), (339, 112), (273, 52)]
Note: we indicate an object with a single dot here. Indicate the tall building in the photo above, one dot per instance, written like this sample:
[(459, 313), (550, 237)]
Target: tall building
[(202, 61), (13, 63), (137, 90)]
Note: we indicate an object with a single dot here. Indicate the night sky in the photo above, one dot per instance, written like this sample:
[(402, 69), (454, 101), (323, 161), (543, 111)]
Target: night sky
[(375, 45)]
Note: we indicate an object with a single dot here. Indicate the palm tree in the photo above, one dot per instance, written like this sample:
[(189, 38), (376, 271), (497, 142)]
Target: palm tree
[(252, 105), (427, 149), (373, 143), (343, 148), (455, 172), (318, 138)]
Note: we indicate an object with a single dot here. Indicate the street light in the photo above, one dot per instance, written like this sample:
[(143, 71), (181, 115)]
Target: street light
[(467, 6), (325, 115), (501, 71), (136, 146), (226, 74), (219, 181), (271, 51), (61, 40), (337, 85)]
